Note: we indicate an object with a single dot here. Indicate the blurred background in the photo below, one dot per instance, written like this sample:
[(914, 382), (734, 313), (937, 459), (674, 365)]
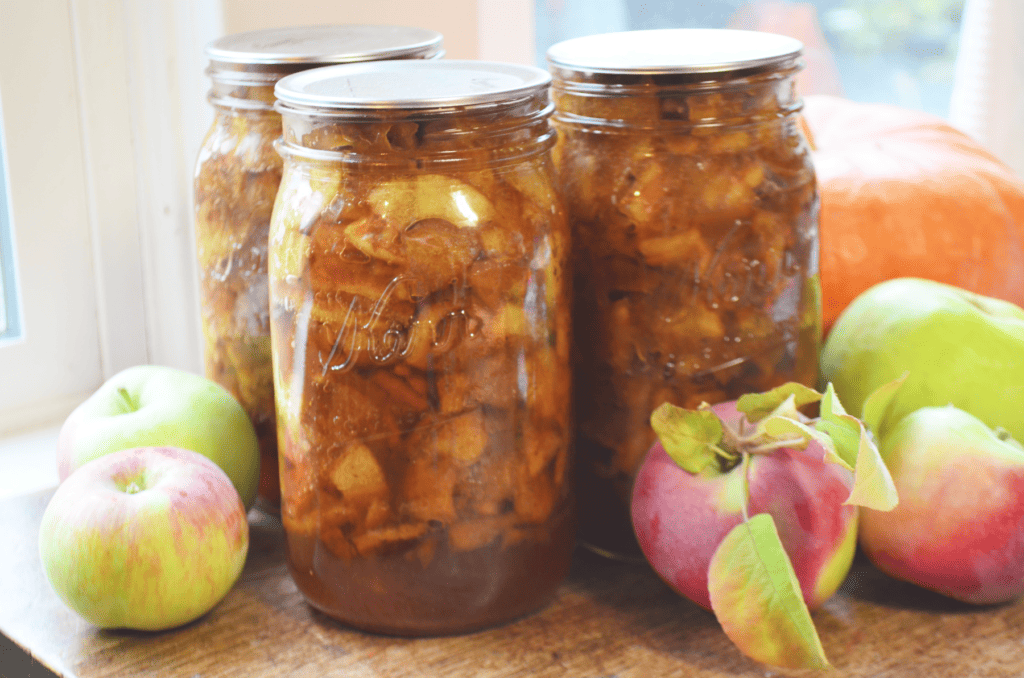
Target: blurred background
[(897, 51)]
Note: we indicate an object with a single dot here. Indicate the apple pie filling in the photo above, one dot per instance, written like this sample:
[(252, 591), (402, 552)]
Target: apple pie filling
[(420, 322), (693, 207), (237, 176)]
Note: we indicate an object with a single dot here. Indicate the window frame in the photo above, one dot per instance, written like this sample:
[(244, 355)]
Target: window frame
[(10, 290), (119, 280), (55, 358)]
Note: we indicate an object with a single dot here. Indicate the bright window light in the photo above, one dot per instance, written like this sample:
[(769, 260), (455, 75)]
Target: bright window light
[(901, 52), (10, 308)]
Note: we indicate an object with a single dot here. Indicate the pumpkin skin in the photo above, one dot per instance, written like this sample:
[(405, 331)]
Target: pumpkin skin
[(904, 194)]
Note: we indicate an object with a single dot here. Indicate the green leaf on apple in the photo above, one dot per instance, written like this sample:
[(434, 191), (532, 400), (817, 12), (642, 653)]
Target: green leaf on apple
[(876, 406), (757, 406), (696, 438), (830, 405), (690, 437), (873, 485), (843, 429), (756, 597)]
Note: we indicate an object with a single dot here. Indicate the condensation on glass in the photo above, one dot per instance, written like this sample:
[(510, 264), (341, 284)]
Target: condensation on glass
[(236, 180), (420, 325), (693, 205)]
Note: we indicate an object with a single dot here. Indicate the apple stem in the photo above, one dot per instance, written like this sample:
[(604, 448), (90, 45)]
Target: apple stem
[(724, 453), (776, 444), (734, 439), (127, 399), (1006, 437)]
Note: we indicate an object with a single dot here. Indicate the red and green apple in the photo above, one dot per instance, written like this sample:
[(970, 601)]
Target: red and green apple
[(750, 509), (959, 526), (144, 538), (680, 518)]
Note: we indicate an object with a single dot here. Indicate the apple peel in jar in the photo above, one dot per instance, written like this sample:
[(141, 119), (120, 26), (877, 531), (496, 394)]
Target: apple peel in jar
[(750, 509)]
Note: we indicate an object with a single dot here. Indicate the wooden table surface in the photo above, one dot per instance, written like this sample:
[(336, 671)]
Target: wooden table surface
[(608, 619)]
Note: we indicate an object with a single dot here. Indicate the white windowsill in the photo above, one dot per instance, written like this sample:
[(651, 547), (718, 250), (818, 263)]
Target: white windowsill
[(28, 462)]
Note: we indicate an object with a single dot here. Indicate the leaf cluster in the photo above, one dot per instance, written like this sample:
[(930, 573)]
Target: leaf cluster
[(752, 584)]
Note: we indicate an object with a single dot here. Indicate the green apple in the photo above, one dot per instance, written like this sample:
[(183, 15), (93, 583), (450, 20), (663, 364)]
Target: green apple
[(959, 525), (956, 347), (145, 538), (154, 405)]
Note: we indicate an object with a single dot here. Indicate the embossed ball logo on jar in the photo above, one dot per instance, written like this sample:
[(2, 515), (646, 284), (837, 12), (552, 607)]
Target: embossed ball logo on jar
[(420, 317), (392, 327)]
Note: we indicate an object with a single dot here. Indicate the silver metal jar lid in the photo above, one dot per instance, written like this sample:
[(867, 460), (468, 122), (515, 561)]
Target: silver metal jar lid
[(420, 85), (324, 44), (674, 50)]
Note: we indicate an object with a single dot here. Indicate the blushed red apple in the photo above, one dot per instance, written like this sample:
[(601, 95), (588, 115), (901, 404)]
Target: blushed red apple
[(680, 518), (959, 526)]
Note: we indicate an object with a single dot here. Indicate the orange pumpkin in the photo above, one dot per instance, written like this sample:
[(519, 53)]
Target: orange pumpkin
[(905, 194)]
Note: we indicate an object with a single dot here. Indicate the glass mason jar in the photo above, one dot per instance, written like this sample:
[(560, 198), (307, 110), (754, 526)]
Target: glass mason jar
[(694, 212), (420, 325), (236, 180)]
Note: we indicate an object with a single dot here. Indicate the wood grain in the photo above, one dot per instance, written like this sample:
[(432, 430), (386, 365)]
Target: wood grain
[(608, 619)]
